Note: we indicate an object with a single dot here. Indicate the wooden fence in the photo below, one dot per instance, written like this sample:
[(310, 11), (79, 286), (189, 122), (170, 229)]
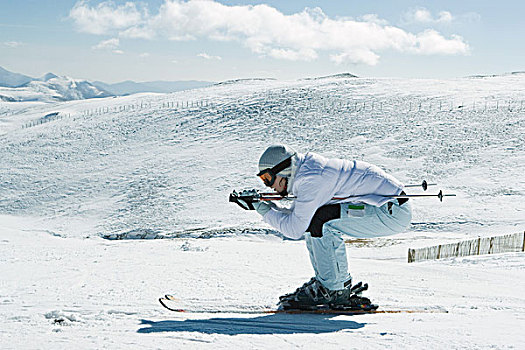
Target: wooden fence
[(489, 245)]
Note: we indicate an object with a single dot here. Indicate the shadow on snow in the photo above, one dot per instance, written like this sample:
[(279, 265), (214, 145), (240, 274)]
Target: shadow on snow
[(268, 324)]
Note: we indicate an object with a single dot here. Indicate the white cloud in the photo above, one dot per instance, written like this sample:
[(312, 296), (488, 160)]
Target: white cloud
[(423, 16), (105, 17), (356, 57), (267, 31), (444, 17), (110, 44), (208, 57), (138, 32), (431, 42), (420, 15), (373, 18), (306, 54), (13, 44)]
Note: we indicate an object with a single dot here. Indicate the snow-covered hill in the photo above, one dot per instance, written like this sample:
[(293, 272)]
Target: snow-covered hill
[(144, 166), (131, 87), (52, 88), (16, 87), (149, 168), (10, 79)]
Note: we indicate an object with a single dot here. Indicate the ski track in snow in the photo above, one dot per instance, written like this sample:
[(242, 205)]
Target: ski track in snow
[(83, 197)]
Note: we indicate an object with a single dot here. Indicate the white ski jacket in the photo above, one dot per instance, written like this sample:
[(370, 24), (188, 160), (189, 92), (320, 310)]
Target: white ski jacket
[(316, 179)]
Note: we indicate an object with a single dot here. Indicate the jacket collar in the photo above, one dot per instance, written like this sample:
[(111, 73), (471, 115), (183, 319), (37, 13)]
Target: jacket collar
[(297, 161)]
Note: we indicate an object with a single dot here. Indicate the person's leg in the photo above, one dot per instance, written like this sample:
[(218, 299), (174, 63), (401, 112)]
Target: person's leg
[(328, 257), (327, 249), (374, 221)]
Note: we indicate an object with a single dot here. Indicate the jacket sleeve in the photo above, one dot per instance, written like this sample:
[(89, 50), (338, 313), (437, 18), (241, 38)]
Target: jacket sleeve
[(312, 192)]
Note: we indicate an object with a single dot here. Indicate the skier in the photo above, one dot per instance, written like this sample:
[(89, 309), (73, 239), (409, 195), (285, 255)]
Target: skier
[(314, 180)]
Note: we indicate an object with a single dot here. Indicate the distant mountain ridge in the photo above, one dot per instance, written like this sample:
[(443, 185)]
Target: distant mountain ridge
[(243, 80), (334, 76), (48, 76), (67, 89), (50, 87), (131, 87), (10, 79), (15, 87)]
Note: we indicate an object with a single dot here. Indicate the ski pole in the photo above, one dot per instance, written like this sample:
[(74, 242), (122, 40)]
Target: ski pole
[(440, 195), (275, 196), (424, 184)]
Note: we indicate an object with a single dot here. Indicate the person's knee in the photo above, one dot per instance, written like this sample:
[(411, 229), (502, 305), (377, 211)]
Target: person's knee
[(322, 216), (317, 233)]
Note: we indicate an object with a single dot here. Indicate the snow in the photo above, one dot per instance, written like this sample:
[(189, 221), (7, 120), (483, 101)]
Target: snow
[(153, 170), (16, 87), (11, 79), (52, 88)]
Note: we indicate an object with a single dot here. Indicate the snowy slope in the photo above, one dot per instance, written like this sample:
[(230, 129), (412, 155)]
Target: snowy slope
[(132, 87), (168, 169), (139, 166), (92, 293)]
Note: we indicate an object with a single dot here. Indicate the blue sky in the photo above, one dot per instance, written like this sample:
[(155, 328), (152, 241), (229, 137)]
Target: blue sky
[(219, 40)]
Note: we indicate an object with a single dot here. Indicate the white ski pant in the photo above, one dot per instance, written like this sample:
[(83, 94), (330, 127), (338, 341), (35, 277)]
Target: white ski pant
[(328, 253)]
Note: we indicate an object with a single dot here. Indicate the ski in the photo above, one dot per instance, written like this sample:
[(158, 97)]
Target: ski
[(170, 299)]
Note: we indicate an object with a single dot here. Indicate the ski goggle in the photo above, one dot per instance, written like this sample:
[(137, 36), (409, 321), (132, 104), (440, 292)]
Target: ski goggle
[(269, 175)]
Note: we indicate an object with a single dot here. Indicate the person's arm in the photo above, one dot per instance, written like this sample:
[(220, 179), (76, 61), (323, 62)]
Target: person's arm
[(313, 192)]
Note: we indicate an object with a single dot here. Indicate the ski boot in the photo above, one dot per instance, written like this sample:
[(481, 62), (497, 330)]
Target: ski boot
[(355, 301), (314, 296), (289, 295)]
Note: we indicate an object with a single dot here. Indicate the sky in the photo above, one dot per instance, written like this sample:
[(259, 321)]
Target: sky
[(217, 40)]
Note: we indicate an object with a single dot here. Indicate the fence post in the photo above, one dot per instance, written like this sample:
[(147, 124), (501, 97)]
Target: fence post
[(411, 255), (479, 244)]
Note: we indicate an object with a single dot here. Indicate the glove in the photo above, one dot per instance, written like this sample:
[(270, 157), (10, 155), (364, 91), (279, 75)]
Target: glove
[(243, 204), (262, 207), (245, 200)]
